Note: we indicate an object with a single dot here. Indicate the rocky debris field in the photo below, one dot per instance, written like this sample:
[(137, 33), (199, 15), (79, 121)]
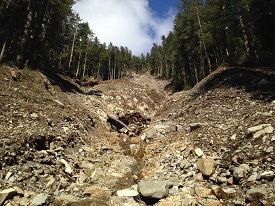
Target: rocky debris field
[(131, 142)]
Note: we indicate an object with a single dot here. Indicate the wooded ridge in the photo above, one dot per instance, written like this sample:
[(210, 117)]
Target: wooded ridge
[(207, 33)]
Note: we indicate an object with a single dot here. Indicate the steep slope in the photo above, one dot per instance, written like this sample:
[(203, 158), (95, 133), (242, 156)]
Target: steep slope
[(65, 145)]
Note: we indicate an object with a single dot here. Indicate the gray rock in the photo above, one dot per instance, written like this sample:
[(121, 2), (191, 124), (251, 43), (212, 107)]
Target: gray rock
[(185, 165), (134, 147), (252, 177), (257, 128), (34, 115), (24, 202), (256, 194), (97, 174), (174, 190), (68, 168), (179, 128), (239, 172), (66, 198), (194, 126), (222, 179), (199, 152), (228, 193), (7, 194), (268, 175), (153, 189), (82, 177), (40, 199), (206, 166), (266, 130), (127, 193), (8, 175), (269, 149)]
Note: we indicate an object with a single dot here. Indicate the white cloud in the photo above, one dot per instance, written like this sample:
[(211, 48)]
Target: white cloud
[(130, 23)]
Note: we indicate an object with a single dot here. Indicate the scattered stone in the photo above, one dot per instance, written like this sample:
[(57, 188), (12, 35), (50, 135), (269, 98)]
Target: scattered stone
[(269, 150), (239, 172), (65, 198), (199, 152), (206, 166), (82, 178), (222, 180), (217, 191), (266, 130), (153, 189), (50, 182), (228, 193), (7, 194), (96, 192), (40, 199), (213, 203), (173, 190), (233, 137), (97, 174), (199, 176), (68, 168), (268, 175), (127, 193), (252, 177), (256, 194), (179, 128), (34, 116), (230, 180), (194, 126), (202, 191), (8, 175), (24, 202)]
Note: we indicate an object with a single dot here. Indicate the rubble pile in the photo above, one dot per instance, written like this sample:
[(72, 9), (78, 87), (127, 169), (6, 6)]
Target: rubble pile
[(129, 142)]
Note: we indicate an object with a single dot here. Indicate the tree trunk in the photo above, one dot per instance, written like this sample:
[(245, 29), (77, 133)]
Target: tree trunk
[(3, 49), (78, 66), (114, 70), (109, 68), (72, 50), (248, 41), (21, 58), (201, 39), (85, 60)]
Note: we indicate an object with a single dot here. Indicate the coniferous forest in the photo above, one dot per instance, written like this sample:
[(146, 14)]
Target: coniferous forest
[(49, 35)]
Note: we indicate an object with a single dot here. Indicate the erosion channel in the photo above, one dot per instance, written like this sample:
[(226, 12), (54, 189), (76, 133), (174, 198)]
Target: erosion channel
[(134, 142)]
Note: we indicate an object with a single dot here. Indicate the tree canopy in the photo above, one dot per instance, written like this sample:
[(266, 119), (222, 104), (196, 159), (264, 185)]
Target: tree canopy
[(207, 33), (50, 35)]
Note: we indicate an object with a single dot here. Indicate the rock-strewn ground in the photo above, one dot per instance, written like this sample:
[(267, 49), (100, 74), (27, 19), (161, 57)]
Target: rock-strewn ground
[(212, 145)]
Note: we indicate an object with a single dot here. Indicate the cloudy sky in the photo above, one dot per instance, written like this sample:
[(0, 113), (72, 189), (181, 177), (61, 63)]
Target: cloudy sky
[(136, 24)]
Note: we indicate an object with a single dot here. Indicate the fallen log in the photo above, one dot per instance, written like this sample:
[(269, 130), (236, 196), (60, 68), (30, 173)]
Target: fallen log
[(120, 122)]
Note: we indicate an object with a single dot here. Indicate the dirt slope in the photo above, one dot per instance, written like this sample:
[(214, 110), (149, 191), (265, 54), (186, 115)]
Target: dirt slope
[(59, 145)]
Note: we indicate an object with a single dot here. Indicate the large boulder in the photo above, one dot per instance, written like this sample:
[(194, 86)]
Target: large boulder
[(206, 166), (154, 189)]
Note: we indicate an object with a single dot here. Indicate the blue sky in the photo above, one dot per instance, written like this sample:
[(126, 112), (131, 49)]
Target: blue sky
[(161, 7), (135, 24)]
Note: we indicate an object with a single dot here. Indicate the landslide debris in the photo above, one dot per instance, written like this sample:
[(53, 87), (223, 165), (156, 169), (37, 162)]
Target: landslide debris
[(211, 145)]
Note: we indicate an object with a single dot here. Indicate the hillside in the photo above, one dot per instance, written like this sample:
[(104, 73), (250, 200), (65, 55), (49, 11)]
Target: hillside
[(131, 142)]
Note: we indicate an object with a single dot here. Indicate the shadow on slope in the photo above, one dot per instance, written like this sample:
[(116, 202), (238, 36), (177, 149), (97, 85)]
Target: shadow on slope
[(260, 82)]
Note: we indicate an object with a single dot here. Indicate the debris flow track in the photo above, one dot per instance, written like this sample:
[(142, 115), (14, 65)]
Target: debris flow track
[(131, 142)]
